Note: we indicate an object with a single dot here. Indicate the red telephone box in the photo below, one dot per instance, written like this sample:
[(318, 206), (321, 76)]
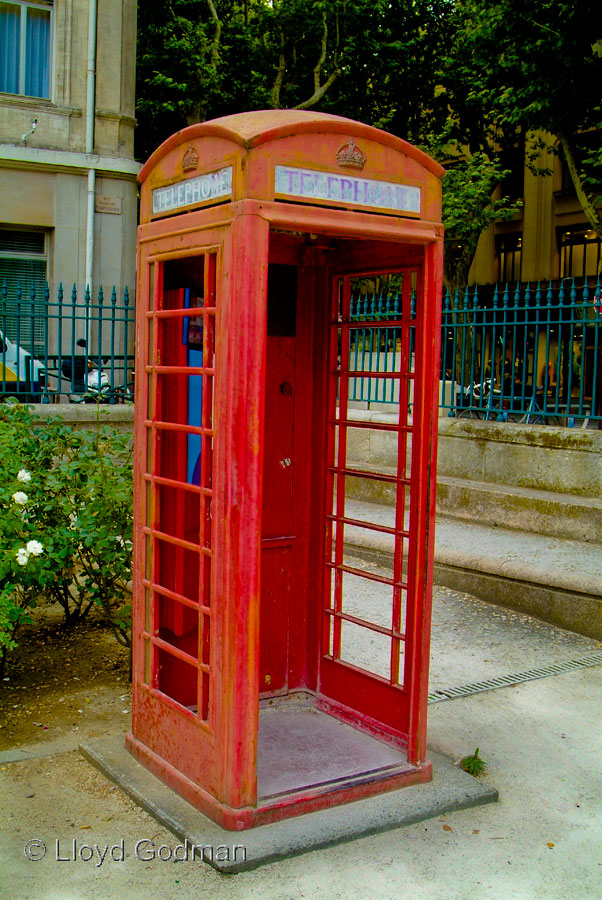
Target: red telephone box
[(256, 693)]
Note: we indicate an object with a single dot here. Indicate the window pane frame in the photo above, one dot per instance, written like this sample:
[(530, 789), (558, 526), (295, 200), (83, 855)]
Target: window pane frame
[(25, 74)]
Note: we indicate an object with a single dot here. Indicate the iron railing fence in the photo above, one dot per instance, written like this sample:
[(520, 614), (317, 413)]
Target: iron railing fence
[(73, 346), (528, 353)]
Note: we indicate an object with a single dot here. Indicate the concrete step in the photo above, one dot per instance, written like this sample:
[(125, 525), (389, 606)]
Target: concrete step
[(498, 505), (556, 579), (525, 509)]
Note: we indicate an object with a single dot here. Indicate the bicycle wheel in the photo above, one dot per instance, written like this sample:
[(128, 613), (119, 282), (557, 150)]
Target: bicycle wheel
[(533, 418), (470, 413)]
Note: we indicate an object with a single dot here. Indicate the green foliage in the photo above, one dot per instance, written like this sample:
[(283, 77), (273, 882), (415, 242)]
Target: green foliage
[(535, 69), (373, 60), (65, 521), (470, 205), (473, 764)]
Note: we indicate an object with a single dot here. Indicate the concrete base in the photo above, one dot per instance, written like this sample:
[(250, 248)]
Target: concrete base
[(232, 852)]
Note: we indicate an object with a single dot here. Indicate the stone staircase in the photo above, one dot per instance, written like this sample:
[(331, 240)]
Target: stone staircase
[(519, 515)]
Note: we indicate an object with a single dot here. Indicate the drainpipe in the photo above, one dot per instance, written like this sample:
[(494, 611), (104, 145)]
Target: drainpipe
[(90, 120)]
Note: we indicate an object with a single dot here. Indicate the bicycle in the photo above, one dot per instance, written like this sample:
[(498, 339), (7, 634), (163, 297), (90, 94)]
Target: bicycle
[(493, 405)]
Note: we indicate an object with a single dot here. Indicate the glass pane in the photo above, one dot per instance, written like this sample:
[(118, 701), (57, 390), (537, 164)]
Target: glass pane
[(178, 513), (368, 650), (37, 65), (177, 679), (177, 569), (10, 18), (178, 625), (369, 600)]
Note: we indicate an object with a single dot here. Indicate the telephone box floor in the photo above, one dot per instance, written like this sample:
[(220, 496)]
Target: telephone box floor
[(301, 747)]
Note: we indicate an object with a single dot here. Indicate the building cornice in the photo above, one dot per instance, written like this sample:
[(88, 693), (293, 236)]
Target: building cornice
[(36, 158)]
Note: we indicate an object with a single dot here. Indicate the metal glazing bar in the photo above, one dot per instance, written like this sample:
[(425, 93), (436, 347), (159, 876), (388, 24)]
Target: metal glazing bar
[(372, 526), (374, 476), (370, 576), (364, 623), (179, 426)]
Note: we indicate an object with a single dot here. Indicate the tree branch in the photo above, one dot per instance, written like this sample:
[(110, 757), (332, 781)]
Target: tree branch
[(217, 36), (592, 214), (275, 94), (320, 90)]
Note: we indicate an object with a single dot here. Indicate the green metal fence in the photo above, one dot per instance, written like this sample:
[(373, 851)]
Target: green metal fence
[(70, 345), (531, 353), (528, 353)]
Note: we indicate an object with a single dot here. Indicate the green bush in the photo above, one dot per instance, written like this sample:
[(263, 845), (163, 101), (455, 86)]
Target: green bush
[(65, 521)]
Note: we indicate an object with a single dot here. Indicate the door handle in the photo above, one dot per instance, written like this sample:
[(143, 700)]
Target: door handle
[(286, 462)]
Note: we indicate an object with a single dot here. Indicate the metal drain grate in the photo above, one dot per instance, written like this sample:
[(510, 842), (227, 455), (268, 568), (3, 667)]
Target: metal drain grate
[(477, 687)]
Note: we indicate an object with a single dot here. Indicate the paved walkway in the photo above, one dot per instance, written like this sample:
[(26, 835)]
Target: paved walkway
[(541, 740)]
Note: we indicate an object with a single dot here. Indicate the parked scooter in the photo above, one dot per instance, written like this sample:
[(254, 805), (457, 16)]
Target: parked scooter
[(88, 383), (21, 375)]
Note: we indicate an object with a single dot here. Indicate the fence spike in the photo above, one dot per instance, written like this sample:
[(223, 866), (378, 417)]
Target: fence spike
[(113, 296), (74, 295), (517, 294), (446, 300), (126, 296), (561, 293), (380, 305), (60, 293), (496, 297), (506, 296), (101, 296), (550, 293), (475, 297), (585, 295), (87, 295)]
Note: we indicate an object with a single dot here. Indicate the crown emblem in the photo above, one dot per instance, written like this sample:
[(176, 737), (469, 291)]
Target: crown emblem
[(349, 154), (190, 160)]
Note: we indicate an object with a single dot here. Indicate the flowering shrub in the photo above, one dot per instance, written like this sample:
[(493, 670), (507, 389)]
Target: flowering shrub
[(65, 521)]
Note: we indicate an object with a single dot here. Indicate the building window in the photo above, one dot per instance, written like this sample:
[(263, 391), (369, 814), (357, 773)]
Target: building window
[(509, 253), (579, 252), (25, 47), (23, 265)]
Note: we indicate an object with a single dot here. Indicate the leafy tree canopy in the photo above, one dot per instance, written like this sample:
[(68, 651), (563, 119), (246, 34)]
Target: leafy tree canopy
[(536, 68), (369, 59)]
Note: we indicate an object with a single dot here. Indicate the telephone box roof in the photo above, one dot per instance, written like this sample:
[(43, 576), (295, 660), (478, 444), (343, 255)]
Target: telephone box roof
[(251, 129)]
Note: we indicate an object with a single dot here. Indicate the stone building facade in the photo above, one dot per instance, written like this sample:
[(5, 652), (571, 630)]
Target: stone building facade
[(68, 192), (548, 240)]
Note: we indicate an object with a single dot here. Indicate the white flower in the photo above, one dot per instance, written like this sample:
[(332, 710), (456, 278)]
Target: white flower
[(20, 497), (24, 476), (22, 556), (35, 548)]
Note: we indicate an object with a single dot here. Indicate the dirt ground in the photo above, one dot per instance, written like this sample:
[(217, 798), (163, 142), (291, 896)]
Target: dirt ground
[(63, 684), (69, 834)]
